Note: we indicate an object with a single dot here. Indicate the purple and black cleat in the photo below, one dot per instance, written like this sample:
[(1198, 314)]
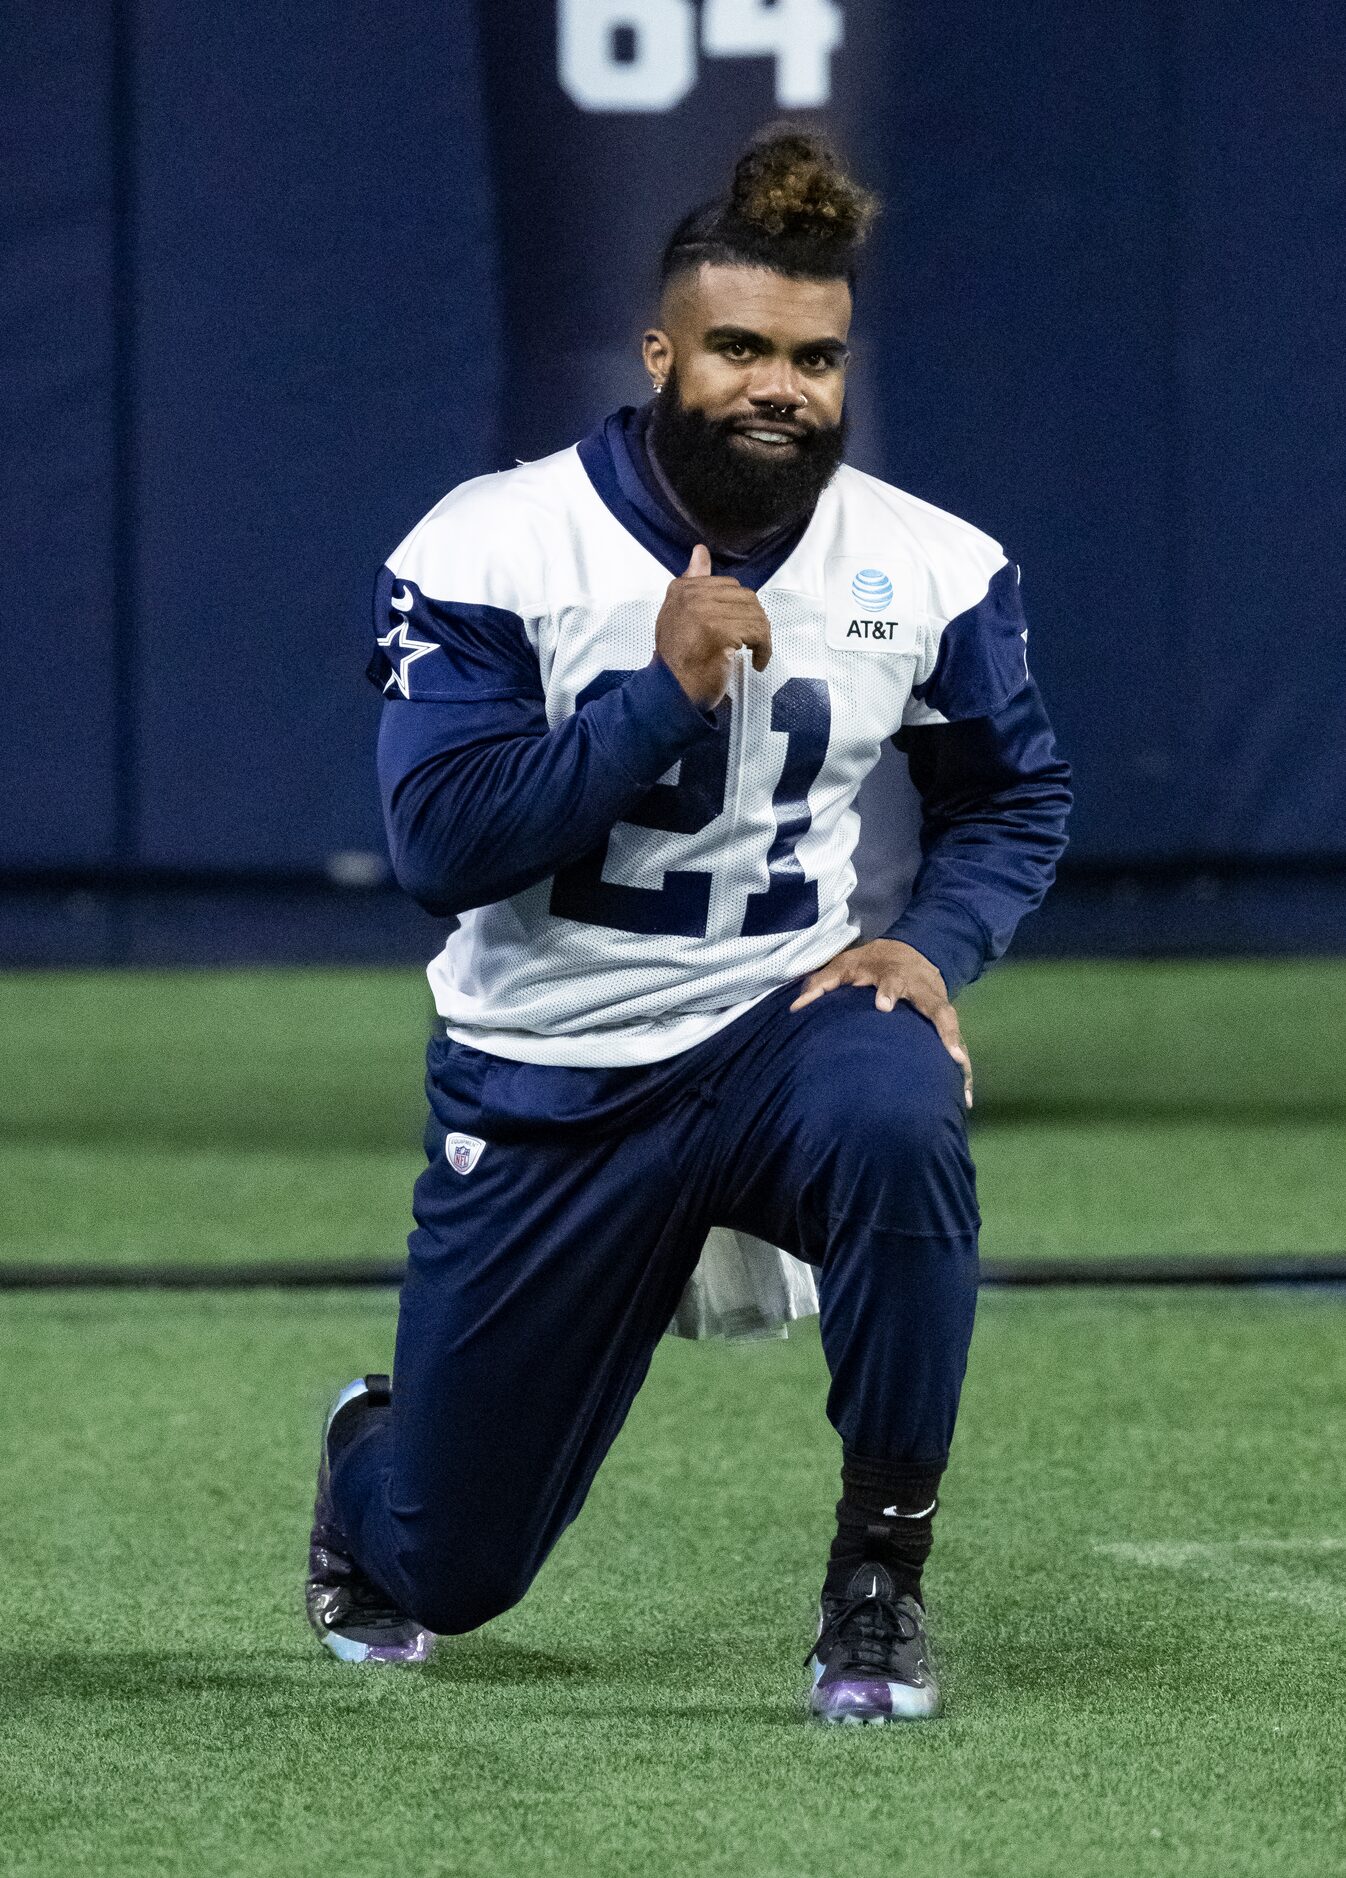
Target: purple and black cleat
[(353, 1619), (871, 1661)]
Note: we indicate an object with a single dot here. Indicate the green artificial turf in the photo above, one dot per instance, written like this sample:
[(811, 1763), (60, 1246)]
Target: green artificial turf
[(1122, 1110), (1137, 1597)]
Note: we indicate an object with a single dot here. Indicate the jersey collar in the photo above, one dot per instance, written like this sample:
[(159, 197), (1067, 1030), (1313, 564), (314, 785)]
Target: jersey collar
[(617, 464)]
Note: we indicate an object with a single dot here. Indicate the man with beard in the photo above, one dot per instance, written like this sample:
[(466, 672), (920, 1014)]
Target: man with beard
[(636, 794)]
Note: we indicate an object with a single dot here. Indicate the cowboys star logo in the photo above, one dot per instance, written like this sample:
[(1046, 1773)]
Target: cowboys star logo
[(408, 650)]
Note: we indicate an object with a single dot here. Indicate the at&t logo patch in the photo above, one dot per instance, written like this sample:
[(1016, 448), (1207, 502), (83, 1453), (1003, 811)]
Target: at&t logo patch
[(871, 608)]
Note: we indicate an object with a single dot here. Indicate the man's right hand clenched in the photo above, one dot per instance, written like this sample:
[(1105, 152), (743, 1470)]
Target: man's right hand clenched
[(704, 620)]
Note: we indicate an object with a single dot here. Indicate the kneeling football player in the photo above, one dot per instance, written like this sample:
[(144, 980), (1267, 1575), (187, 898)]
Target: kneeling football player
[(632, 690)]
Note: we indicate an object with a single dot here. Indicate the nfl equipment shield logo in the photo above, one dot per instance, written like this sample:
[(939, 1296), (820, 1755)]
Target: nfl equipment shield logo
[(462, 1152)]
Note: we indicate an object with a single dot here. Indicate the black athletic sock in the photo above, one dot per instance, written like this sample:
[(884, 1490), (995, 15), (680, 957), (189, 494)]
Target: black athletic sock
[(886, 1513)]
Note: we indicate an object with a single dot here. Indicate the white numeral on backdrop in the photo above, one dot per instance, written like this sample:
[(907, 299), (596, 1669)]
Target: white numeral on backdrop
[(801, 35), (626, 55), (640, 55)]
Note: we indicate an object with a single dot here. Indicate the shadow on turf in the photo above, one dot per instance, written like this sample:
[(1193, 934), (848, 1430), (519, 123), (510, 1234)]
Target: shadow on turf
[(163, 1675), (126, 1676), (495, 1663), (476, 1662), (304, 1682)]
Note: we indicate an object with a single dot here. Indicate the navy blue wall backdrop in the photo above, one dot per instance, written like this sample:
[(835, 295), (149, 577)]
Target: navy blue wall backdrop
[(251, 333), (274, 277)]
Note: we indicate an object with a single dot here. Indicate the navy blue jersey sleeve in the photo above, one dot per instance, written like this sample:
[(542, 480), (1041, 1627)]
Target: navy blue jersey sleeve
[(995, 797), (481, 796), (982, 658)]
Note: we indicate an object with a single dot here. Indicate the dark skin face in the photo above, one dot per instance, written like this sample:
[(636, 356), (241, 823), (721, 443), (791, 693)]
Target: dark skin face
[(754, 348)]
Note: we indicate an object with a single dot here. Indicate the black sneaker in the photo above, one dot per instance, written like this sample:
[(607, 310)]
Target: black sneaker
[(353, 1619), (871, 1661)]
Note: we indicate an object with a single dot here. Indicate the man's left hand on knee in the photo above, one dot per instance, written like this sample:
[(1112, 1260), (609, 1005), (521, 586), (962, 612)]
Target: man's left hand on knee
[(900, 974)]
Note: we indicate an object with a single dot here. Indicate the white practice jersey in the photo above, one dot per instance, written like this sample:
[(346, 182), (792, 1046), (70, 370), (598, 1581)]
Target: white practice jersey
[(737, 879)]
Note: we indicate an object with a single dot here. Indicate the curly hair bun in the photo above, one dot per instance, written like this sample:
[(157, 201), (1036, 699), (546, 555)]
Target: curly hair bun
[(792, 182)]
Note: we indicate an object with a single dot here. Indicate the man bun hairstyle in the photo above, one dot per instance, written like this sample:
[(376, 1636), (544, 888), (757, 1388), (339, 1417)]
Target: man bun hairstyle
[(791, 207)]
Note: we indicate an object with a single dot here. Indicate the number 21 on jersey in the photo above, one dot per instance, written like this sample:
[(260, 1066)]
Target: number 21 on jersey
[(802, 711)]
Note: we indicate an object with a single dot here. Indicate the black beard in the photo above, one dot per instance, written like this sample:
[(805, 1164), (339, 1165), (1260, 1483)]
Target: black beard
[(722, 485)]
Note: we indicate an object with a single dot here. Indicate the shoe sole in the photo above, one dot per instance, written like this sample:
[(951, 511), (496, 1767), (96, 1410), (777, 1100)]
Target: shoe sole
[(353, 1649), (377, 1655), (351, 1392), (904, 1702)]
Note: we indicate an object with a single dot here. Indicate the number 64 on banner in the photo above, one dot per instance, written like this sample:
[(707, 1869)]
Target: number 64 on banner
[(640, 55)]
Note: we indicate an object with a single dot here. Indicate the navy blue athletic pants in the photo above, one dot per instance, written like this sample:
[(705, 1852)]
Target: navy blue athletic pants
[(540, 1282)]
